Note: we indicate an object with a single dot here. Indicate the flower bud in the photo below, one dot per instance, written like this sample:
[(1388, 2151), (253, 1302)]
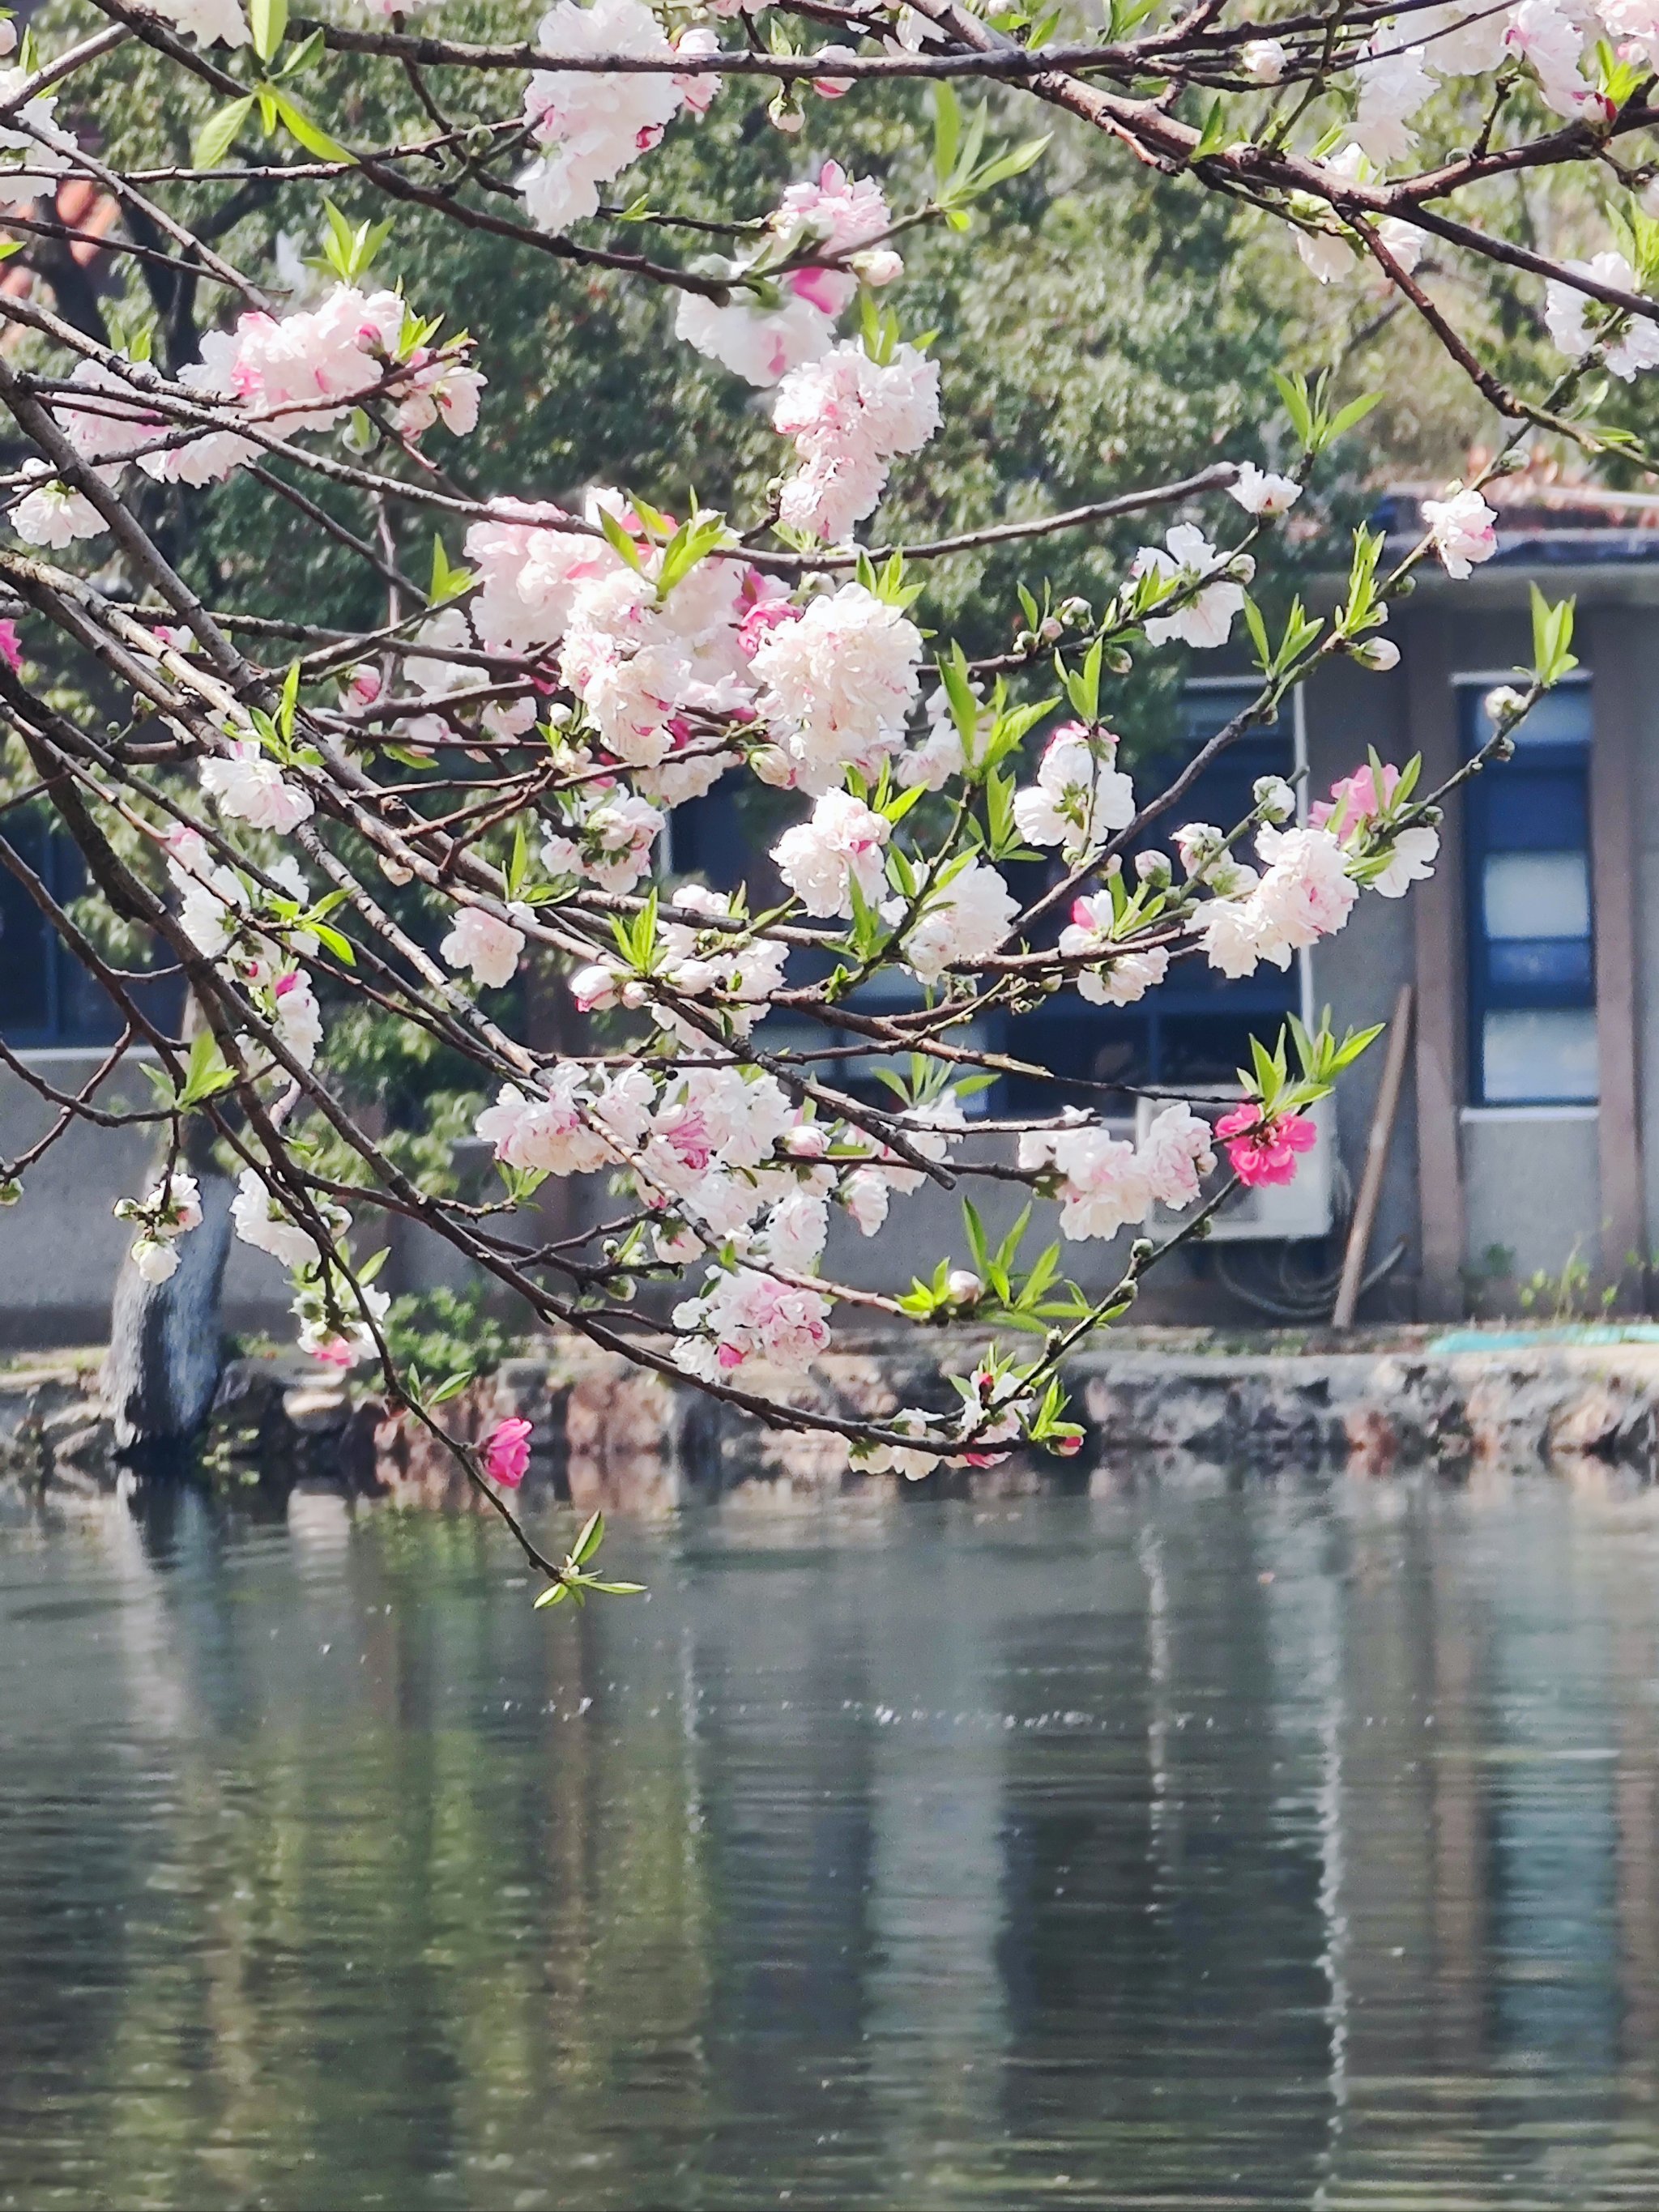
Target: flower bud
[(1154, 868), (1074, 610), (633, 993), (1052, 628), (1503, 704), (876, 266), (10, 1191), (1274, 800), (785, 113), (1263, 59), (807, 1140), (1379, 653), (964, 1287), (773, 765), (1242, 568)]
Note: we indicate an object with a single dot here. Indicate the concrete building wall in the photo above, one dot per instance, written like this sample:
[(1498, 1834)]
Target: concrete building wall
[(1643, 634), (1358, 973), (61, 1246)]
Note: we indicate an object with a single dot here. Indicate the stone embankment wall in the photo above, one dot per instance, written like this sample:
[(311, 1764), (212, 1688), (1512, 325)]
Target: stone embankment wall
[(1156, 1402)]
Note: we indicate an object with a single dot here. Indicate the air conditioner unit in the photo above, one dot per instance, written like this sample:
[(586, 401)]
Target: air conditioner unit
[(1273, 1213)]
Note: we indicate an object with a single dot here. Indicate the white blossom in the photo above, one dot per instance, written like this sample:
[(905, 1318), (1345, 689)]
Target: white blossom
[(1464, 531), (486, 945), (248, 785), (1206, 619)]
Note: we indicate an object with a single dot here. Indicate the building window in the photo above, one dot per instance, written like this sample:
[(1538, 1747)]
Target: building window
[(1532, 968), (1196, 1028), (45, 997)]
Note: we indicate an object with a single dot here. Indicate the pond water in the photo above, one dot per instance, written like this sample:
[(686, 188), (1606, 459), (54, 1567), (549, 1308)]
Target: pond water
[(1206, 1847)]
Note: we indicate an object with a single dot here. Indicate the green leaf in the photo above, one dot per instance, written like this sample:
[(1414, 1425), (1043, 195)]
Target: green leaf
[(588, 1542), (310, 135), (218, 134), (518, 866), (1355, 411), (305, 56), (947, 131), (975, 1228), (206, 1073), (619, 541), (1293, 390), (338, 946), (1014, 163), (289, 705), (1552, 638), (1258, 630), (555, 1595), (1214, 133), (448, 583), (269, 20)]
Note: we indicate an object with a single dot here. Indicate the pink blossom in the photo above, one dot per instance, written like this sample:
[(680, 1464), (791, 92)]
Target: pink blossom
[(506, 1453), (594, 989), (1464, 531), (1357, 796), (1262, 1149), (486, 945), (11, 650), (748, 1315), (1306, 892), (822, 860), (334, 1351), (837, 213), (832, 88), (1174, 1152), (850, 417), (685, 1132), (698, 91)]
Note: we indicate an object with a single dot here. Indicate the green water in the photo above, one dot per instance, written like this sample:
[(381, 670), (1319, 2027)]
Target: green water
[(1291, 1846)]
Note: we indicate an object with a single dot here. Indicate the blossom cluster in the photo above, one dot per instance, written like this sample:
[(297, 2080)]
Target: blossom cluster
[(1106, 1183), (301, 371)]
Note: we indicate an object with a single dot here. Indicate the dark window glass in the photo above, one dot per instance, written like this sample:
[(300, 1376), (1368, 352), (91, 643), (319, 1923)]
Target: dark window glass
[(45, 997), (1532, 973)]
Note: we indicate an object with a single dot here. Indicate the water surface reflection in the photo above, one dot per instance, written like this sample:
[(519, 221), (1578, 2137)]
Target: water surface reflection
[(1287, 1846)]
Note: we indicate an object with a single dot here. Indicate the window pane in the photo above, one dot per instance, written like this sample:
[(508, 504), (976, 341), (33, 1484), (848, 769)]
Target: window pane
[(1536, 895), (1539, 1059), (1531, 966), (1562, 717), (1523, 809)]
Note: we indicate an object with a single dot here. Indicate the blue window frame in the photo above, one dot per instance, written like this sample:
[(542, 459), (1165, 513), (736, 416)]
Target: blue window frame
[(1196, 1027), (1530, 918)]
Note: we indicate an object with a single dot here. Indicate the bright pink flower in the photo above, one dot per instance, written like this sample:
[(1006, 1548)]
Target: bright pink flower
[(11, 651), (337, 1352), (766, 615), (1264, 1150), (1357, 796), (506, 1453), (826, 288)]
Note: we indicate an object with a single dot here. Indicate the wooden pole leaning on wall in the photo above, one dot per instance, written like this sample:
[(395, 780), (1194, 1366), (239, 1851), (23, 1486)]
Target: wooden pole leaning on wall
[(1376, 1159)]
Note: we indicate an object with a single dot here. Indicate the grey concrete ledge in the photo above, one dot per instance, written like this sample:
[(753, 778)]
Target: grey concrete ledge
[(1156, 1404)]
